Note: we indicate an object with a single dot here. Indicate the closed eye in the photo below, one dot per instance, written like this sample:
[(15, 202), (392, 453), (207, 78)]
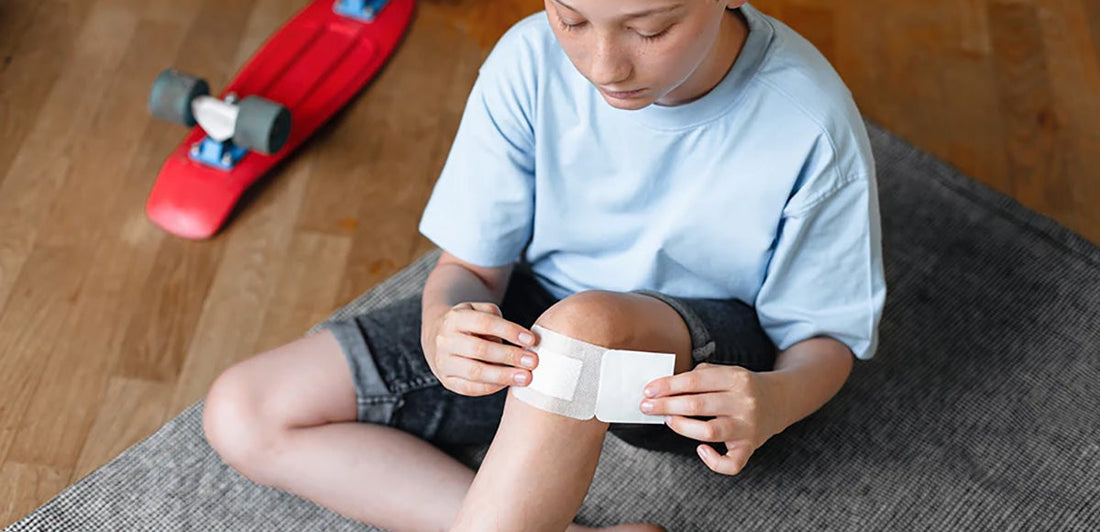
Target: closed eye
[(569, 26), (653, 36)]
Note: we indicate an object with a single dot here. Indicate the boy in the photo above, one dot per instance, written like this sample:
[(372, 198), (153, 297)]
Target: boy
[(628, 173)]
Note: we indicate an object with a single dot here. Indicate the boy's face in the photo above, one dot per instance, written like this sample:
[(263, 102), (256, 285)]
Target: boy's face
[(639, 52)]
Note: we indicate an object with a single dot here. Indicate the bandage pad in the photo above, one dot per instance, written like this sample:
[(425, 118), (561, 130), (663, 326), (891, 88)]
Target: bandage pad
[(623, 376), (567, 378), (582, 380)]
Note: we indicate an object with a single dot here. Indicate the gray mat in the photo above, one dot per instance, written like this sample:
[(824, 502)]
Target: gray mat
[(979, 412)]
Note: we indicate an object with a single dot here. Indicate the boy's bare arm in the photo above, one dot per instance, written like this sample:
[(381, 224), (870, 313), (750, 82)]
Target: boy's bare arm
[(467, 343), (807, 375), (454, 281), (749, 407)]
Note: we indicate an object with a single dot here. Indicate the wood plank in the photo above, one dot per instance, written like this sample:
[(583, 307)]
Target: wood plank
[(310, 277), (79, 363), (265, 17), (971, 123), (816, 24), (915, 48), (864, 62), (24, 486), (484, 22), (1074, 71), (15, 20), (23, 201), (43, 161), (170, 11), (130, 410), (212, 47), (973, 23), (30, 328), (38, 40), (1092, 16), (164, 320), (1033, 126)]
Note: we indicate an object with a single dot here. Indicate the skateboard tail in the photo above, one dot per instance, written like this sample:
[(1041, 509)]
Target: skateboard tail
[(190, 208)]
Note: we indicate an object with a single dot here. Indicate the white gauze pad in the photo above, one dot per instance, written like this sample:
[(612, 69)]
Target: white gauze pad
[(567, 378), (582, 380), (623, 376)]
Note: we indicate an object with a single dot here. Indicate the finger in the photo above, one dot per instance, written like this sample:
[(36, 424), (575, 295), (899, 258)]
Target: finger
[(487, 307), (470, 388), (702, 366), (730, 463), (492, 324), (476, 371), (488, 351), (694, 381), (696, 404), (712, 430)]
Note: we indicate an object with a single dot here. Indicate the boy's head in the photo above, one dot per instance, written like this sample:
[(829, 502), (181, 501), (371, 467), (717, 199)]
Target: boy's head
[(639, 52)]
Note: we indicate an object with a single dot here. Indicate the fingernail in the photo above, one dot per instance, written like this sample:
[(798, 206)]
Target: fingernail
[(650, 392), (647, 406), (527, 361), (525, 338), (520, 378)]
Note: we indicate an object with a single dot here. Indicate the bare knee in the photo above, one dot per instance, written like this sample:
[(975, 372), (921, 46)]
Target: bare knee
[(593, 316), (619, 321), (235, 427)]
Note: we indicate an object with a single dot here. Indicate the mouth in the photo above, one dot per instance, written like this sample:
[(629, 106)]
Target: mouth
[(622, 95)]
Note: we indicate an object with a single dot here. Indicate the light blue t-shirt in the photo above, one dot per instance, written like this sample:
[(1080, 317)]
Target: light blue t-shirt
[(762, 190)]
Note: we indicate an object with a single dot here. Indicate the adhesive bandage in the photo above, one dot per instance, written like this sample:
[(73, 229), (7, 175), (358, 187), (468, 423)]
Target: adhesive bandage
[(581, 380)]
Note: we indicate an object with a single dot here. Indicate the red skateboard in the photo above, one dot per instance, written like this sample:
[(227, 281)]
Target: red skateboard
[(298, 79)]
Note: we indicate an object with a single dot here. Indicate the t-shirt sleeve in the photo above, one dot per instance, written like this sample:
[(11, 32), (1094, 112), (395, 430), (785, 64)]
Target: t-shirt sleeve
[(825, 277), (482, 207)]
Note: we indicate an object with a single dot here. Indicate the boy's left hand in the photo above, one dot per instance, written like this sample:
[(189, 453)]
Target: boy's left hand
[(744, 406)]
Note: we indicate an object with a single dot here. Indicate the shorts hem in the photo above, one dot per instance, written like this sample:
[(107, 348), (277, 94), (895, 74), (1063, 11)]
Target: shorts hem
[(375, 403), (702, 344)]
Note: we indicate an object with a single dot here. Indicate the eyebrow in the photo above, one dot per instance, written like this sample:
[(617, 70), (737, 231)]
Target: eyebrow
[(638, 14)]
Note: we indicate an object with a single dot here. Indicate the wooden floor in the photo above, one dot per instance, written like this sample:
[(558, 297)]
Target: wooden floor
[(108, 327)]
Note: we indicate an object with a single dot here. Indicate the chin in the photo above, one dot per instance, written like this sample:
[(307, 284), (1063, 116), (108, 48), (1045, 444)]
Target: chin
[(632, 104)]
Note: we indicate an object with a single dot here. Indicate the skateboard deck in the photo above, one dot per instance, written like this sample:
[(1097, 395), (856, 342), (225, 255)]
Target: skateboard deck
[(313, 66)]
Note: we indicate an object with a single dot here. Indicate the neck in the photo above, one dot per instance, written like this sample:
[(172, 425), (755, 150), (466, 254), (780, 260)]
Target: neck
[(723, 54)]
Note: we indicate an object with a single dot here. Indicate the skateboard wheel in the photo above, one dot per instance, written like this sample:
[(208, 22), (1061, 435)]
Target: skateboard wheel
[(172, 94), (262, 125)]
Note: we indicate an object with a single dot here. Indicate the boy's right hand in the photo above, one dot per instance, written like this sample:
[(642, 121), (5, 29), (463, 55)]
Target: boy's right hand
[(470, 354)]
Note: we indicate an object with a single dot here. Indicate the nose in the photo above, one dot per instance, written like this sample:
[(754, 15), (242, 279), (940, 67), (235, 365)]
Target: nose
[(609, 65)]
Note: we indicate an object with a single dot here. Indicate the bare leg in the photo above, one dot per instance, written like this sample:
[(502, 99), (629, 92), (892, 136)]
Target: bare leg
[(286, 419), (540, 464)]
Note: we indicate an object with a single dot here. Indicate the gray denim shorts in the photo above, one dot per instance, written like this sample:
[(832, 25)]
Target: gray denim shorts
[(395, 387)]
